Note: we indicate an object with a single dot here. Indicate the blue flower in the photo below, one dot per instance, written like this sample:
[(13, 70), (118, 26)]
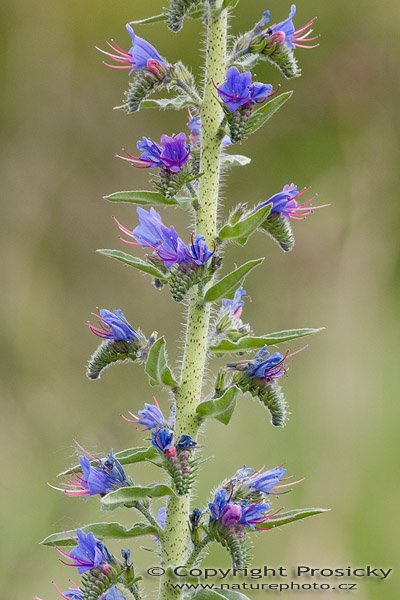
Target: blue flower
[(186, 442), (285, 203), (113, 594), (218, 504), (264, 482), (175, 152), (235, 306), (267, 366), (171, 154), (162, 516), (253, 514), (140, 56), (114, 326), (285, 31), (199, 250), (165, 242), (73, 594), (239, 90), (162, 439), (151, 417), (88, 554)]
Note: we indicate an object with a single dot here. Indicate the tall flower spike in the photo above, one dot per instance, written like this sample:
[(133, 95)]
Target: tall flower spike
[(284, 208), (121, 342)]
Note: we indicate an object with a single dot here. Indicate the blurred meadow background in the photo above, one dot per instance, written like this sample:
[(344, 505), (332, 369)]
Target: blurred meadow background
[(339, 135)]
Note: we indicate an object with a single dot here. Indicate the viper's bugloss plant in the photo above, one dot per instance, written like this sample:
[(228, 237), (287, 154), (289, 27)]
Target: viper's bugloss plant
[(223, 109)]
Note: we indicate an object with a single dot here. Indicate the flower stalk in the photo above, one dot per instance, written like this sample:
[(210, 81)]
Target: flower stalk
[(176, 534)]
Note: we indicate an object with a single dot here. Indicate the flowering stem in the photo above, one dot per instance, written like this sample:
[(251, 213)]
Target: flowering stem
[(176, 534), (149, 517), (195, 556)]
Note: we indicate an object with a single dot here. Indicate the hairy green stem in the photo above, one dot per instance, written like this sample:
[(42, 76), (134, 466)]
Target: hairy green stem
[(196, 554), (176, 534), (149, 517)]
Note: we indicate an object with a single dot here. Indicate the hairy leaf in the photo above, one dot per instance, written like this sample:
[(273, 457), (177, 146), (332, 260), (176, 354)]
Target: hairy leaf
[(128, 495), (250, 343), (157, 366), (221, 408), (235, 160), (148, 20), (245, 227), (142, 197), (100, 530), (136, 263), (129, 456), (176, 103), (290, 516), (267, 110), (226, 287)]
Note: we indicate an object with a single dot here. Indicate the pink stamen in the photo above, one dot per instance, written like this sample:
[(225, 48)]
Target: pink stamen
[(306, 26), (123, 229), (116, 66)]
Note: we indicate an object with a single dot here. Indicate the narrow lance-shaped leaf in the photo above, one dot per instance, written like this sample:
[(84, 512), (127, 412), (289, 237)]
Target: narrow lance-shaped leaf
[(250, 343), (128, 495), (232, 595), (245, 227), (141, 197), (149, 20), (129, 456), (221, 408), (227, 286), (136, 263), (267, 110), (157, 366), (100, 530), (177, 103), (290, 516)]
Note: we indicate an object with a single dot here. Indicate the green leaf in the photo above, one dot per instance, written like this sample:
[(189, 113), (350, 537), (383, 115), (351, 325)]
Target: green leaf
[(100, 530), (267, 110), (148, 20), (245, 227), (142, 197), (235, 160), (177, 103), (129, 456), (228, 284), (290, 516), (221, 408), (128, 495), (157, 366), (136, 263), (250, 343)]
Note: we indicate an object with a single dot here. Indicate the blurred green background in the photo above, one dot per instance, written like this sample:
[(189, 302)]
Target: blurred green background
[(338, 134)]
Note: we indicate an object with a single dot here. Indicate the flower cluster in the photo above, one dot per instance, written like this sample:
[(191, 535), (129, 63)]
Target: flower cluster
[(121, 342), (171, 154), (229, 322), (102, 477), (238, 90)]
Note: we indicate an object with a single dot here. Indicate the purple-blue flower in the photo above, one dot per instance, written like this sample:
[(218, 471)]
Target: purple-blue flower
[(231, 515), (162, 439), (239, 90), (102, 478), (285, 203), (113, 594), (264, 482), (285, 31), (253, 514), (235, 306), (88, 554), (151, 417), (171, 154), (165, 242), (72, 594), (114, 326), (186, 442), (141, 54), (218, 504), (267, 366)]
